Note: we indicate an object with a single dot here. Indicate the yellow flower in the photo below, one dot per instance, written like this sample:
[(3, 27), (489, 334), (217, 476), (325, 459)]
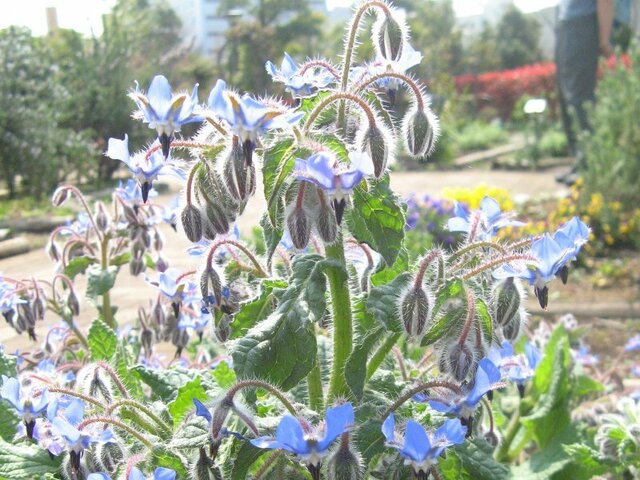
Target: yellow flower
[(608, 238)]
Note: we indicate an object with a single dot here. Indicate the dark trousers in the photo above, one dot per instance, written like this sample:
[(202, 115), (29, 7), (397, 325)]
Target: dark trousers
[(577, 63)]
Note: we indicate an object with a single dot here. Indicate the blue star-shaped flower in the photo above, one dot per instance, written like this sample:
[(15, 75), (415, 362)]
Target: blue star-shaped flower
[(29, 408), (247, 117), (160, 473), (491, 219), (337, 179), (164, 110), (517, 368), (299, 84), (310, 445), (633, 344), (420, 448), (145, 170)]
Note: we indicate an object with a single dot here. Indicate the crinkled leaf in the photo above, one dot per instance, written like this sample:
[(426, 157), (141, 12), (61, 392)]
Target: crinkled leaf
[(386, 274), (483, 315), (476, 457), (282, 348), (224, 375), (102, 341), (164, 457), (193, 433), (256, 310), (382, 302), (123, 363), (377, 218), (100, 281), (19, 462), (183, 402), (77, 266), (272, 234), (246, 456), (449, 312), (166, 383), (355, 369)]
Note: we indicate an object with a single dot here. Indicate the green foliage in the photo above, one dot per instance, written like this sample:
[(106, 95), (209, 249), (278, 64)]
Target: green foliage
[(99, 280), (287, 336), (517, 39), (25, 462), (378, 219), (183, 402), (102, 341), (613, 149), (478, 135)]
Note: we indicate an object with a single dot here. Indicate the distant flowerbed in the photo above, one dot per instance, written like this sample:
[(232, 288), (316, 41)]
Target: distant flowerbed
[(502, 89)]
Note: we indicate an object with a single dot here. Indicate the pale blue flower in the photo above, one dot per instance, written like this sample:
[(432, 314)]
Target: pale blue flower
[(420, 448), (144, 169), (165, 111), (247, 117), (633, 344), (491, 219), (159, 473), (299, 84), (27, 405), (310, 447)]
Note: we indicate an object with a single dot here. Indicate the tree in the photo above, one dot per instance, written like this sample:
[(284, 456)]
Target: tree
[(267, 29), (35, 145), (517, 39), (481, 53)]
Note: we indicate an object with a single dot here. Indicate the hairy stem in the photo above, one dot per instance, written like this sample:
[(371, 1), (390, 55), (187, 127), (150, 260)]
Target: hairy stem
[(107, 312), (342, 319), (417, 389), (266, 386), (120, 425), (314, 384), (334, 98), (134, 404), (380, 354)]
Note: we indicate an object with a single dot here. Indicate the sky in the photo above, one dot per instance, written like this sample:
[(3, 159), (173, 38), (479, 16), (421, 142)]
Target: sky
[(85, 15)]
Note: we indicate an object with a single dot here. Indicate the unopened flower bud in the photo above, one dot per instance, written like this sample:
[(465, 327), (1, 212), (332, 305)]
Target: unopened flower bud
[(491, 438), (460, 361), (211, 286), (345, 463), (506, 298), (217, 218), (420, 132), (109, 455), (52, 250), (136, 266), (39, 307), (102, 217), (238, 178), (73, 303), (512, 329), (192, 223), (389, 38), (179, 339), (205, 468), (299, 228), (326, 224), (25, 312), (161, 264), (145, 237), (563, 273), (157, 314), (415, 310), (59, 196), (130, 214), (223, 329), (146, 340), (376, 145), (99, 388), (157, 241)]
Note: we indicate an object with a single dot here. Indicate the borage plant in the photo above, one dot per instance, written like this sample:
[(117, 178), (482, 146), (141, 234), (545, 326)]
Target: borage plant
[(331, 355)]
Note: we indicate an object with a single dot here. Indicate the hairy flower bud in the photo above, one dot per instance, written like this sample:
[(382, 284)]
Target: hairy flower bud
[(73, 303), (161, 264), (345, 463), (299, 227), (239, 179), (506, 298), (136, 266), (420, 132), (376, 144), (130, 214), (511, 330), (217, 218), (389, 37), (223, 329), (205, 468), (179, 339), (192, 223), (415, 310), (109, 455), (52, 250), (157, 313), (102, 217), (157, 241), (211, 286), (60, 196), (326, 224), (98, 388), (38, 307), (460, 361), (146, 340)]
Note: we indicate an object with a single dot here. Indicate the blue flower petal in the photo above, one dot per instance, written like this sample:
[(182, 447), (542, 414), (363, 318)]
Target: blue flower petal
[(339, 419), (11, 392), (486, 376), (290, 435), (416, 442), (162, 473), (136, 474), (201, 410), (388, 428)]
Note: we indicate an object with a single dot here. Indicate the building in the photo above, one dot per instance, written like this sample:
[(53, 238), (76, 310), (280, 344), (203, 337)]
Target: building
[(204, 24)]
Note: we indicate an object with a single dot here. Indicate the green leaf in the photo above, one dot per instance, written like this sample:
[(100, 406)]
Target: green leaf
[(257, 309), (550, 413), (163, 457), (166, 383), (100, 281), (382, 302), (476, 457), (282, 348), (8, 365), (19, 462), (482, 313), (246, 456), (9, 421), (123, 363), (587, 463), (585, 385), (102, 341), (272, 234), (183, 402), (449, 311), (377, 218), (77, 266), (193, 433), (386, 274), (355, 369), (278, 161), (225, 376)]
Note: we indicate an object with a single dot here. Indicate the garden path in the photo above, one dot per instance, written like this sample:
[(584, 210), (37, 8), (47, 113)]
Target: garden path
[(131, 292)]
